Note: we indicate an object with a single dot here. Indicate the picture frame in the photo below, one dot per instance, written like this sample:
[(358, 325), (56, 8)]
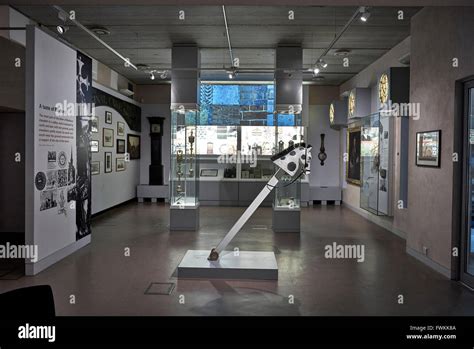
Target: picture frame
[(95, 168), (428, 149), (133, 146), (120, 128), (108, 117), (108, 162), (94, 146), (353, 164), (94, 124), (120, 146), (119, 164), (107, 137)]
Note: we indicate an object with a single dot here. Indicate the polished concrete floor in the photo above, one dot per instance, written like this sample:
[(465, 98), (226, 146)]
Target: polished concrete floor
[(106, 282)]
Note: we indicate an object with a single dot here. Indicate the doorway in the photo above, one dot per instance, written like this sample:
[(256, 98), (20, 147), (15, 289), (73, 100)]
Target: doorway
[(467, 233)]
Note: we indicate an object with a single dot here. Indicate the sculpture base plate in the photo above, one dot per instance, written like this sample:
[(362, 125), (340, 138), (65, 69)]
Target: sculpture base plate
[(230, 265)]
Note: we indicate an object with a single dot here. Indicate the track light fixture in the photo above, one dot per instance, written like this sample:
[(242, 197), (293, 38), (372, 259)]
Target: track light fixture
[(316, 71), (61, 29), (232, 73), (322, 63), (364, 13), (152, 75)]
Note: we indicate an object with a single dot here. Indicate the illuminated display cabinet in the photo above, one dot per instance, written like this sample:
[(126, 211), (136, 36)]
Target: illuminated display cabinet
[(184, 170)]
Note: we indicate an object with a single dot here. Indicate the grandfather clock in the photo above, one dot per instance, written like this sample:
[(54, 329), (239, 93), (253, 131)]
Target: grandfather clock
[(156, 135)]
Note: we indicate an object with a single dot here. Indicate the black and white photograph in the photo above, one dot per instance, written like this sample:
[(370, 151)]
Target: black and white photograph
[(120, 128), (120, 146), (94, 124), (51, 179), (108, 117), (119, 164), (48, 199), (133, 146), (107, 137), (108, 162), (95, 167), (95, 146), (62, 178)]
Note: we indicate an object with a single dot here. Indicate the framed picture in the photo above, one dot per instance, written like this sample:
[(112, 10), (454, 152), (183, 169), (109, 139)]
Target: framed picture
[(108, 117), (95, 146), (108, 162), (120, 146), (133, 146), (108, 137), (119, 164), (95, 124), (428, 148), (95, 167), (353, 150), (120, 128)]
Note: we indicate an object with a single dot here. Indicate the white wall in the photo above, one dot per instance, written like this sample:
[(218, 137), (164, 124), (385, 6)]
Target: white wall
[(154, 110), (327, 175), (113, 188)]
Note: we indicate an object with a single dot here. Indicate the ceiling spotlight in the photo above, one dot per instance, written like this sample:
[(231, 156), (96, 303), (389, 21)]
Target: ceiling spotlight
[(232, 73), (365, 14), (316, 71), (321, 63), (164, 74), (152, 75), (61, 29)]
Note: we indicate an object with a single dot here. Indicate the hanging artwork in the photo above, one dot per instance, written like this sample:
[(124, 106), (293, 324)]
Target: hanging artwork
[(353, 151)]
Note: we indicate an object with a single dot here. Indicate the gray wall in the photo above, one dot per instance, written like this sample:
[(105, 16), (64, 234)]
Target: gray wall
[(327, 175), (437, 35), (12, 86)]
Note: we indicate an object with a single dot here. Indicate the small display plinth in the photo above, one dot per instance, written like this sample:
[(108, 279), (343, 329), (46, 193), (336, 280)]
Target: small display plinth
[(231, 265), (286, 220), (184, 217)]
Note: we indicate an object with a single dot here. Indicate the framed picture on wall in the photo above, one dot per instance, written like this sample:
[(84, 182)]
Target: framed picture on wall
[(108, 137), (108, 162), (133, 146), (108, 117), (94, 124), (120, 146), (353, 151), (94, 146), (120, 128), (428, 148), (119, 164), (95, 167)]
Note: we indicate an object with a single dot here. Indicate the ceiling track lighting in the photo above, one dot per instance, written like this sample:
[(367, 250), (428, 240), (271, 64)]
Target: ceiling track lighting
[(61, 29), (162, 73), (63, 15), (152, 76), (232, 73), (364, 13)]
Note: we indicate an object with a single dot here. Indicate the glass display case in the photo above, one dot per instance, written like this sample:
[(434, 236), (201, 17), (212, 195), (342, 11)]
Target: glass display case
[(375, 157), (288, 191), (184, 167)]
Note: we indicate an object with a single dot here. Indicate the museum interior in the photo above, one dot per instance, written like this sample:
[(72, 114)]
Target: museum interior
[(238, 160)]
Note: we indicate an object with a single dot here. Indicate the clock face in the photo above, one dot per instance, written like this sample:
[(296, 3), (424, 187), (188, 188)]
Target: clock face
[(352, 103), (331, 113), (383, 89)]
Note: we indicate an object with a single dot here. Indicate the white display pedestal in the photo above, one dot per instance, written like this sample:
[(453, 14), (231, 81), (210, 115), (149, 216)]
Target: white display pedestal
[(231, 265)]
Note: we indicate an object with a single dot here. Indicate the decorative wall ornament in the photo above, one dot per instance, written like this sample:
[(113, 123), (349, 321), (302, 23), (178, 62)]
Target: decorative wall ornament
[(322, 156)]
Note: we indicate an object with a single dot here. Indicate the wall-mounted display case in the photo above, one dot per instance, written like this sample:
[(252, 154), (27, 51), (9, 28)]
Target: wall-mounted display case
[(375, 164)]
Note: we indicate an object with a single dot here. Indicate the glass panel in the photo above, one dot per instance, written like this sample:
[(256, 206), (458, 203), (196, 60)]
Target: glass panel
[(470, 232), (184, 167), (374, 152)]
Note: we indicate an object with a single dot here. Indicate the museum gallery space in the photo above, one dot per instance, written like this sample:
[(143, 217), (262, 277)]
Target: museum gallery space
[(238, 160)]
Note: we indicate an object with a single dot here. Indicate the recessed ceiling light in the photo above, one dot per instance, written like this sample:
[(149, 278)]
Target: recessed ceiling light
[(342, 52), (100, 31)]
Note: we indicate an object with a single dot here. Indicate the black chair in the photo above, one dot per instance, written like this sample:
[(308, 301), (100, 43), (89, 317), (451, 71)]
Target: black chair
[(35, 302)]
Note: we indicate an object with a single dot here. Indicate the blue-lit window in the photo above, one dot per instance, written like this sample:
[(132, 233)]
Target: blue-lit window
[(240, 105)]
